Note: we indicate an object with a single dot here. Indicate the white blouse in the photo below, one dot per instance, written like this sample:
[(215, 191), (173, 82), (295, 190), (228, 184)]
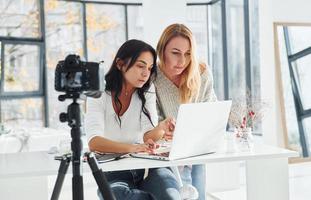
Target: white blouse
[(101, 119)]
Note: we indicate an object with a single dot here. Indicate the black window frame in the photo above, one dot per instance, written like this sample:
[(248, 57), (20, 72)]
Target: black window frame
[(301, 113), (40, 41)]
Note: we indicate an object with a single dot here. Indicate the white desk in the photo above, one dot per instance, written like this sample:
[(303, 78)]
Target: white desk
[(32, 139), (266, 169)]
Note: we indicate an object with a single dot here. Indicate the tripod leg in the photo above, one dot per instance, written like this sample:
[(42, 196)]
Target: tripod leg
[(100, 178), (64, 164), (77, 187), (76, 146)]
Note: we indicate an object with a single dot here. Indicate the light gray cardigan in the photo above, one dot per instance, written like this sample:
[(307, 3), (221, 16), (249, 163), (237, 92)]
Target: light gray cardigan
[(168, 94)]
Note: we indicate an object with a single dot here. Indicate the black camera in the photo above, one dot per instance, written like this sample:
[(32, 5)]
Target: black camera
[(75, 76)]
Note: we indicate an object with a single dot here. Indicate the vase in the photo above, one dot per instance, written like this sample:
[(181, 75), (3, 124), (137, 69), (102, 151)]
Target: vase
[(230, 142), (245, 139)]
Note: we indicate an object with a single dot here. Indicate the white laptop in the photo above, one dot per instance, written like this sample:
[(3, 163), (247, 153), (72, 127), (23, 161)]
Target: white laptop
[(199, 130)]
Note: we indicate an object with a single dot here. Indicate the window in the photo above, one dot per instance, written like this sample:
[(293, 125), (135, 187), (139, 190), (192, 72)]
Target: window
[(228, 46), (22, 96), (209, 39), (105, 26), (295, 59), (93, 30), (64, 35), (20, 19), (36, 34), (298, 59)]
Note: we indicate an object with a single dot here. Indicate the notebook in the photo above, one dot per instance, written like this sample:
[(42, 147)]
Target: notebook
[(106, 157)]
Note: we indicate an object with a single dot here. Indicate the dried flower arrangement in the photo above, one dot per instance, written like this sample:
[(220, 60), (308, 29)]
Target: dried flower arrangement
[(246, 112)]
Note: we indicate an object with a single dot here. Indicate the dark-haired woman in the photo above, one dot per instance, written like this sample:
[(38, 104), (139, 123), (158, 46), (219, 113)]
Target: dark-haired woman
[(126, 115)]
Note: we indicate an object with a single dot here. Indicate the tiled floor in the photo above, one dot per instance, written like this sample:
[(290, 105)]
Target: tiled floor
[(299, 185)]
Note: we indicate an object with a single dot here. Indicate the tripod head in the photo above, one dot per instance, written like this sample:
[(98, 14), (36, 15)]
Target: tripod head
[(73, 116)]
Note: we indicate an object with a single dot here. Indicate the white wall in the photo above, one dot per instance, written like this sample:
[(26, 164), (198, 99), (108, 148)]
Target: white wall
[(270, 12), (158, 14)]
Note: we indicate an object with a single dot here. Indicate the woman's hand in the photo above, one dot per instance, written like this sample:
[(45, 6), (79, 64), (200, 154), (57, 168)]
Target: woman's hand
[(168, 126), (149, 146), (164, 130)]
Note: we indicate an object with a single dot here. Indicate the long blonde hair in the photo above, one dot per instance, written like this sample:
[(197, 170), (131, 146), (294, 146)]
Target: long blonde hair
[(190, 78)]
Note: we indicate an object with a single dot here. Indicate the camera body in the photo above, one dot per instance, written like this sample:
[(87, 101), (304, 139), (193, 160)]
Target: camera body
[(75, 76)]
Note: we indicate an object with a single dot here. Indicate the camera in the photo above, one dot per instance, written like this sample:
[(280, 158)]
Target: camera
[(75, 76)]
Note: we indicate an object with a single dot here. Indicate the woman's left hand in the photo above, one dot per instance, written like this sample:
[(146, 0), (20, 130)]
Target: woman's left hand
[(168, 126), (149, 146), (152, 145)]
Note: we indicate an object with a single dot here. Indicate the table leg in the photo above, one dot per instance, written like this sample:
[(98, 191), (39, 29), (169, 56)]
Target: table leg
[(267, 179)]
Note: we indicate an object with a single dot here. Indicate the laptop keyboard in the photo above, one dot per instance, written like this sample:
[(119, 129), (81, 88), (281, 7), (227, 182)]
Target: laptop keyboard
[(164, 154), (164, 143), (164, 149)]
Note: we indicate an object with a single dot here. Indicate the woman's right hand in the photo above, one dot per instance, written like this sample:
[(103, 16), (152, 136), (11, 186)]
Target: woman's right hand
[(149, 146), (168, 126)]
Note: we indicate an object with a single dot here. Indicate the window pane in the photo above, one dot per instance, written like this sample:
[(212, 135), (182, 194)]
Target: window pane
[(307, 125), (64, 35), (19, 18), (22, 112), (105, 31), (135, 22), (299, 38), (254, 55), (204, 23), (289, 105), (216, 51), (197, 22), (304, 73), (236, 48), (21, 68), (254, 48)]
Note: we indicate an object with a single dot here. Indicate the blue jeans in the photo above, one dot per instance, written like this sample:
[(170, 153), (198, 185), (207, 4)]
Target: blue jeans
[(160, 184), (196, 176)]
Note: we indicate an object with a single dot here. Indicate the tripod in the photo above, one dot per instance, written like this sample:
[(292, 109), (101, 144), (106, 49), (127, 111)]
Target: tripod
[(74, 121)]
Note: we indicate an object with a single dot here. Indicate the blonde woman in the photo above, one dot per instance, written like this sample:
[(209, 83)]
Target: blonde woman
[(181, 79)]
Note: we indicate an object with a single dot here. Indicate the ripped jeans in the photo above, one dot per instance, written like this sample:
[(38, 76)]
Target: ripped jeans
[(160, 184)]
